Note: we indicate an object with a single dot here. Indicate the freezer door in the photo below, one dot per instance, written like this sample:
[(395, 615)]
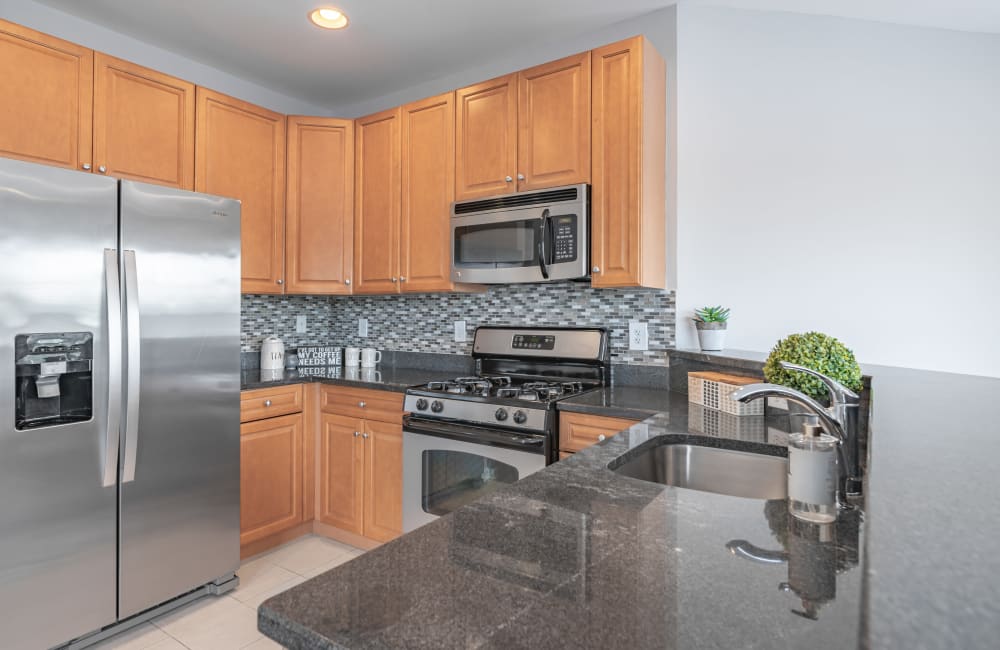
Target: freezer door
[(180, 491), (58, 485)]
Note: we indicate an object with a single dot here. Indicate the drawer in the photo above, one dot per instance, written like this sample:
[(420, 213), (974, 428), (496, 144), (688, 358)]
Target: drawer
[(578, 431), (365, 403), (264, 403)]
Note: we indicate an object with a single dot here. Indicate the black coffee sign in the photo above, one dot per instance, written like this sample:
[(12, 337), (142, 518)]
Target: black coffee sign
[(319, 355)]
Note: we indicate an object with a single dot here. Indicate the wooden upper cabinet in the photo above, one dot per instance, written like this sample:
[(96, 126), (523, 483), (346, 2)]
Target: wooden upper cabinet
[(46, 98), (553, 142), (143, 124), (628, 204), (383, 480), (270, 476), (319, 214), (240, 153), (486, 138), (342, 472), (428, 129), (376, 203)]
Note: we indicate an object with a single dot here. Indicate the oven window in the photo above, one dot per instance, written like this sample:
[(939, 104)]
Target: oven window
[(504, 244), (452, 479)]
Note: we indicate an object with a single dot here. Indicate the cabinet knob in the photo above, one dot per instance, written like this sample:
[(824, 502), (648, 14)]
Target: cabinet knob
[(520, 177), (600, 438), (365, 436), (102, 169), (597, 269), (267, 403), (361, 405), (357, 433), (402, 278), (508, 179), (394, 279), (85, 166), (281, 282), (347, 282)]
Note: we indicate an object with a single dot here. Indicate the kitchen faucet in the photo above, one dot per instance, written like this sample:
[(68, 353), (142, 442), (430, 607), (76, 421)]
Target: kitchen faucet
[(840, 420)]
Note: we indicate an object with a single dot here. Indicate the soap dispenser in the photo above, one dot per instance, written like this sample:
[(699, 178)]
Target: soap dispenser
[(812, 475)]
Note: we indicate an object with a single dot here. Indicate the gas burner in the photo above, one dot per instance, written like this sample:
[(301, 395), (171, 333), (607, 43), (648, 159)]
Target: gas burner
[(507, 393)]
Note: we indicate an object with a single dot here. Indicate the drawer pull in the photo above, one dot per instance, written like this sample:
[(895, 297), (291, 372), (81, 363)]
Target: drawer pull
[(600, 438), (361, 404), (267, 402), (357, 433)]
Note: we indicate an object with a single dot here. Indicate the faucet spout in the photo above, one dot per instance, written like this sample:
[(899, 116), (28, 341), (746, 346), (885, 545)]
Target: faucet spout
[(756, 391)]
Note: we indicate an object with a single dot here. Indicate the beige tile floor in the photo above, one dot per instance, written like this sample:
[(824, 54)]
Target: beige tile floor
[(230, 622)]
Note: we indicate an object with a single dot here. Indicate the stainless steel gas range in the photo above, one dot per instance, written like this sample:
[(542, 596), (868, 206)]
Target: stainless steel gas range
[(466, 437)]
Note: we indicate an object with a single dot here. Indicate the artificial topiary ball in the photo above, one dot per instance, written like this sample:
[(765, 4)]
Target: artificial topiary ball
[(819, 352)]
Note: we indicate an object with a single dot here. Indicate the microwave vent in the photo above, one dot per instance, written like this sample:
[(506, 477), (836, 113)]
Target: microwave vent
[(517, 200)]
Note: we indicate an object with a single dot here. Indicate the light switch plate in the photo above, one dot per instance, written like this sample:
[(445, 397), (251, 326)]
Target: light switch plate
[(363, 327), (300, 324), (460, 336), (638, 335)]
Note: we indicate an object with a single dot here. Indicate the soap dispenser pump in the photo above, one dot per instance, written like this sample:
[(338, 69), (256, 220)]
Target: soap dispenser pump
[(812, 475)]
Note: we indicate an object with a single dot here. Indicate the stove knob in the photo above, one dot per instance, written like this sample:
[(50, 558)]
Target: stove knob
[(437, 406), (501, 414), (421, 404), (520, 417)]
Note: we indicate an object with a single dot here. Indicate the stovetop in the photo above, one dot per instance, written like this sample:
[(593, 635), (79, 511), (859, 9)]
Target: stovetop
[(507, 387)]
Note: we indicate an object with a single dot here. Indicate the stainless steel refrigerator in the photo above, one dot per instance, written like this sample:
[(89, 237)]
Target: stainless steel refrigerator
[(119, 400)]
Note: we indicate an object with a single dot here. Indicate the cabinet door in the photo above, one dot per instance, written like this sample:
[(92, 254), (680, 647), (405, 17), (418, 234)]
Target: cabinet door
[(46, 98), (383, 480), (240, 153), (143, 124), (553, 141), (428, 128), (270, 476), (578, 431), (486, 138), (628, 203), (342, 472), (319, 215), (376, 207)]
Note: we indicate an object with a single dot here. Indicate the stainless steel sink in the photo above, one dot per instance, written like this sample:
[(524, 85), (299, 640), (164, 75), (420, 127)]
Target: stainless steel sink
[(709, 469)]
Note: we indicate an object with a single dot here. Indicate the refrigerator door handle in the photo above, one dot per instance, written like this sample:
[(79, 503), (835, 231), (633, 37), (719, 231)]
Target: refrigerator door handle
[(109, 473), (132, 367)]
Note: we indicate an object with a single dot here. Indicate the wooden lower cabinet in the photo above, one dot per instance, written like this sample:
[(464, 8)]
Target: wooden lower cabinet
[(383, 480), (342, 472), (270, 476), (578, 431)]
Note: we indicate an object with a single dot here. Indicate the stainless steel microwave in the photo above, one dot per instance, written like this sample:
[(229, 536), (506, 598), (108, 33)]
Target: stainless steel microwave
[(537, 236)]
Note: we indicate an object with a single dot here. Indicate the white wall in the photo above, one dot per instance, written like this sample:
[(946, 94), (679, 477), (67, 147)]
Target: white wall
[(46, 19), (842, 176)]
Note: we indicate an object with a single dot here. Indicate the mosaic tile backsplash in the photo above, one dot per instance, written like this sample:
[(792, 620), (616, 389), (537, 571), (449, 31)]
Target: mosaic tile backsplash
[(425, 322)]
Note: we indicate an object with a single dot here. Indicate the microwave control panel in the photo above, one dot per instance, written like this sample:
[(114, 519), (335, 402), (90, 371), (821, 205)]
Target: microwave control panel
[(565, 245)]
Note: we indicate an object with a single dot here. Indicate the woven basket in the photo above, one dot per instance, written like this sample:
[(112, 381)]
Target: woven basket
[(713, 390)]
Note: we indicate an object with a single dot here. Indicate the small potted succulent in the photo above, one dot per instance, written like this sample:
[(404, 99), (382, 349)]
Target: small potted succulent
[(819, 352), (711, 324)]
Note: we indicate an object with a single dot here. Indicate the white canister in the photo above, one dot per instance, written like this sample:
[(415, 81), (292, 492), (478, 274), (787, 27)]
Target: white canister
[(272, 354)]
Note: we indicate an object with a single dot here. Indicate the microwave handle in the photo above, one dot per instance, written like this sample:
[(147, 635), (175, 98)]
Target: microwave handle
[(543, 243)]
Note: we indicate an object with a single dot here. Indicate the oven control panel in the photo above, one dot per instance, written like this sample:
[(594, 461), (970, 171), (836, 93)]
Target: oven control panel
[(533, 342), (565, 244)]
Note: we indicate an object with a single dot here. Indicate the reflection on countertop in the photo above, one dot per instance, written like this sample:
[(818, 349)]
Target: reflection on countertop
[(383, 376)]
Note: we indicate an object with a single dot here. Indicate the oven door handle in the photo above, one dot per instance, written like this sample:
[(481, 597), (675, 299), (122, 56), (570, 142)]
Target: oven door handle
[(480, 436), (543, 245)]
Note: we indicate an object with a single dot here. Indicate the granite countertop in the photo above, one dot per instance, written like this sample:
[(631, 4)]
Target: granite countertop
[(630, 402), (384, 377)]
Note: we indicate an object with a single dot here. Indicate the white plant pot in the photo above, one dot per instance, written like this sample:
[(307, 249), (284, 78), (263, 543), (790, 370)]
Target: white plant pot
[(712, 340)]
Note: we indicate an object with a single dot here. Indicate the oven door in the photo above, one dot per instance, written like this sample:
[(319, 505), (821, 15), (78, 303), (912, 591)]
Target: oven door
[(528, 245), (442, 474)]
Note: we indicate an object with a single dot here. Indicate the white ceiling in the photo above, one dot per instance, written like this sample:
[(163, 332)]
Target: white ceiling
[(395, 44)]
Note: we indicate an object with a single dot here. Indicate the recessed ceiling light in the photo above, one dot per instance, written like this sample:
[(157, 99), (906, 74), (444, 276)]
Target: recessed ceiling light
[(328, 18)]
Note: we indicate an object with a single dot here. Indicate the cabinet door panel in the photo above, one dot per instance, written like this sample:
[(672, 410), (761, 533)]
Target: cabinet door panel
[(578, 431), (240, 153), (553, 145), (143, 123), (376, 209), (486, 138), (270, 476), (342, 472), (46, 98), (428, 151), (383, 480), (319, 219)]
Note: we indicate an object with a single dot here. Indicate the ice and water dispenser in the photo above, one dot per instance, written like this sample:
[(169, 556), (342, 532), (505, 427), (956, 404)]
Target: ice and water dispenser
[(53, 379)]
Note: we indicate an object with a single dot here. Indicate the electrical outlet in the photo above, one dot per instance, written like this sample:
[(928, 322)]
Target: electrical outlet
[(638, 335), (460, 331), (363, 328), (300, 324)]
